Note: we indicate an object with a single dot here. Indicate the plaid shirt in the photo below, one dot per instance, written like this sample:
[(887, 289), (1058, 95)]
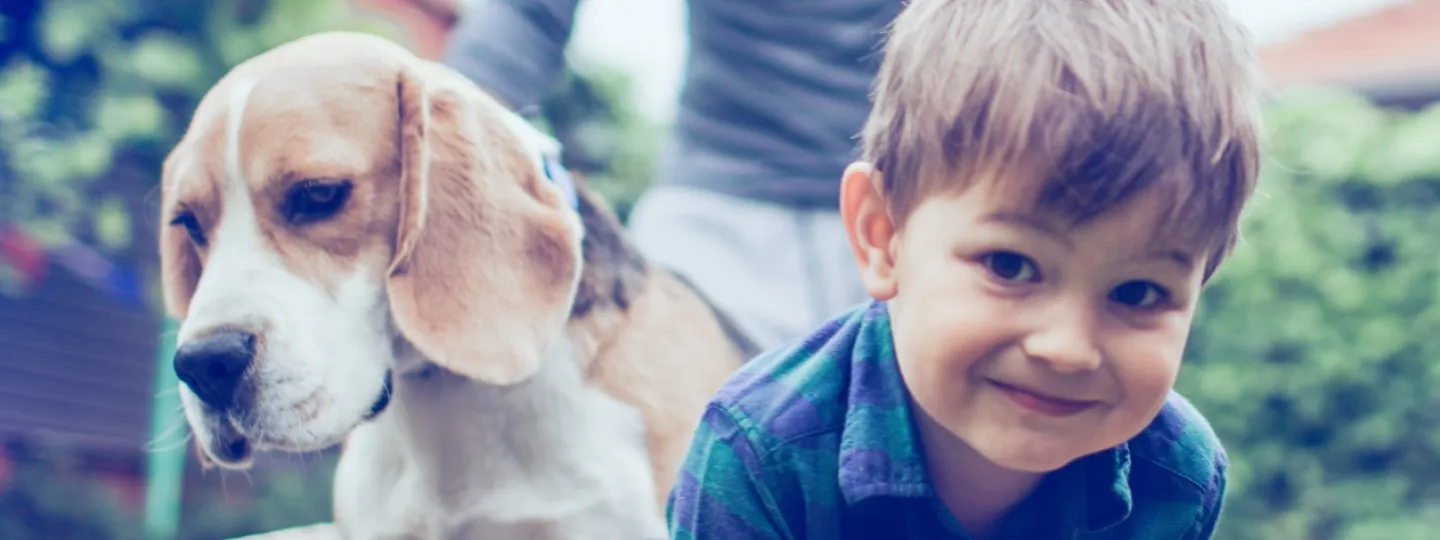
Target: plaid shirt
[(817, 442)]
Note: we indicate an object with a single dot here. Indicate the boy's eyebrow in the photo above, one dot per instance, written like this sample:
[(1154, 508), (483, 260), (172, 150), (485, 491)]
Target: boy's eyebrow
[(1028, 221), (1181, 258)]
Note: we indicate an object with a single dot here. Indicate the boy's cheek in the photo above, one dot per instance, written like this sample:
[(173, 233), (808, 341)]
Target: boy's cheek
[(954, 328), (1169, 323), (963, 299), (1147, 368)]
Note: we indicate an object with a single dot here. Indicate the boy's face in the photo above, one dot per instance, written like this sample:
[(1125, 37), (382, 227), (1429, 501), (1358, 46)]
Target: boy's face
[(1032, 341)]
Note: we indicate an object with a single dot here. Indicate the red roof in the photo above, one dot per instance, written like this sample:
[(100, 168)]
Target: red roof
[(425, 23), (1395, 44)]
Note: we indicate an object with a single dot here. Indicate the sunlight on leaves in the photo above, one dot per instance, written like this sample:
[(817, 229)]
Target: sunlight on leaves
[(137, 116), (23, 89), (112, 223), (66, 28), (166, 60)]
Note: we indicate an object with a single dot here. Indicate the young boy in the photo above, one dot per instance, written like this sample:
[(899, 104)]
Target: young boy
[(1046, 186)]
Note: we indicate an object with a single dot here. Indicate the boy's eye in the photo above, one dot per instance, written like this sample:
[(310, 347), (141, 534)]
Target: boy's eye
[(1140, 294), (1011, 267)]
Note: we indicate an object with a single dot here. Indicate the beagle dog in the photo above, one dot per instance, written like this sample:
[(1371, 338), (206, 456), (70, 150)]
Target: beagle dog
[(366, 249)]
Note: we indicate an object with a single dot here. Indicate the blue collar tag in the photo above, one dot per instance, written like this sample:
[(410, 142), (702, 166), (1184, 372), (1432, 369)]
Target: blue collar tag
[(559, 176)]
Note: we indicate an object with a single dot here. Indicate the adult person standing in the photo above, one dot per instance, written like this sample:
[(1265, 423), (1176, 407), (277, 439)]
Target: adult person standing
[(745, 199)]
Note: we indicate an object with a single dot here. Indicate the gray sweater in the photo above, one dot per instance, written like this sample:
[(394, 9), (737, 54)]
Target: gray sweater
[(774, 94)]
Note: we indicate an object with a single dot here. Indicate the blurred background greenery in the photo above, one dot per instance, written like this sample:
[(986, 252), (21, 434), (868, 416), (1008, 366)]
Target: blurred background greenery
[(1314, 356)]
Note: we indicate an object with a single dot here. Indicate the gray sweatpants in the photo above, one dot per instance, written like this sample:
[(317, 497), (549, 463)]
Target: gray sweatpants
[(779, 271)]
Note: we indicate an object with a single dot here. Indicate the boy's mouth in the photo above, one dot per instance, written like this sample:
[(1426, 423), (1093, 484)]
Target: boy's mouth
[(1042, 403)]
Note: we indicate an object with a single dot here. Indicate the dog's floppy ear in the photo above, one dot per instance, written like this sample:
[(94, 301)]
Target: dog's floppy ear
[(179, 263), (487, 254)]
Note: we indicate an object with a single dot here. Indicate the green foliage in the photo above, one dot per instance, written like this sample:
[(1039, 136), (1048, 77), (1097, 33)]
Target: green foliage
[(1314, 350), (48, 495), (606, 139), (105, 88), (229, 505)]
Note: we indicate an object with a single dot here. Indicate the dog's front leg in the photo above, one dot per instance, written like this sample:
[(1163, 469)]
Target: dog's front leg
[(319, 531), (376, 489)]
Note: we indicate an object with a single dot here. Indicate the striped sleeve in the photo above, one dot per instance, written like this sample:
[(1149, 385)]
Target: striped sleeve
[(514, 48), (721, 492)]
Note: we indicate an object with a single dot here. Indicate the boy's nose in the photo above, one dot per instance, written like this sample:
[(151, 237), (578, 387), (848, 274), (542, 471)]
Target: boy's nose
[(1067, 344)]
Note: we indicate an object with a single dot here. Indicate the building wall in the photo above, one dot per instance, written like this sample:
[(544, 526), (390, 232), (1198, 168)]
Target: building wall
[(76, 364)]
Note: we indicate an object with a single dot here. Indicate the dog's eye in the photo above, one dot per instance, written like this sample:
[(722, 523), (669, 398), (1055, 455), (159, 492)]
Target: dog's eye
[(313, 201), (192, 227)]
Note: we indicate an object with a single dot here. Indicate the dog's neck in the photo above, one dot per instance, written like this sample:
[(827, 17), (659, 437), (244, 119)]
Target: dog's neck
[(534, 439)]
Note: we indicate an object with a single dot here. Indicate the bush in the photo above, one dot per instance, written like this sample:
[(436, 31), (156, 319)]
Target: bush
[(1314, 351), (279, 493), (94, 94), (48, 495)]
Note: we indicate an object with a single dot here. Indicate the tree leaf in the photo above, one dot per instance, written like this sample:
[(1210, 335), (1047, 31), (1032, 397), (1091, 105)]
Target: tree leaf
[(112, 224), (24, 86), (129, 117), (66, 29), (166, 60)]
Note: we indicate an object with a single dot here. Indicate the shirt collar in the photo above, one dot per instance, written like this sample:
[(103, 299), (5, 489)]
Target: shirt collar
[(881, 454)]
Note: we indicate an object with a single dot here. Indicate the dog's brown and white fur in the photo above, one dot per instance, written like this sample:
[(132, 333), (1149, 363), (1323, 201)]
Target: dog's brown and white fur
[(546, 381)]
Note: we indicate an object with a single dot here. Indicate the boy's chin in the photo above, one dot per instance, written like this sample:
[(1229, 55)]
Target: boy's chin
[(1036, 454)]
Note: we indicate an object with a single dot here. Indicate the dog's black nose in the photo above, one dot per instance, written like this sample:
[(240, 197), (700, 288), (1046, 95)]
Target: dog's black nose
[(212, 365)]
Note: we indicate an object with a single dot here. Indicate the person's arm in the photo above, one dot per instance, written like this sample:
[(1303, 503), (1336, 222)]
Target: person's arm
[(721, 492), (1213, 502), (513, 48)]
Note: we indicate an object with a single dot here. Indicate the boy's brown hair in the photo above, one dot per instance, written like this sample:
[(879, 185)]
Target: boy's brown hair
[(1106, 97)]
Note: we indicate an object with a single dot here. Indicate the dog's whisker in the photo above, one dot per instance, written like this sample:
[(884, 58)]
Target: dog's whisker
[(167, 391), (176, 425)]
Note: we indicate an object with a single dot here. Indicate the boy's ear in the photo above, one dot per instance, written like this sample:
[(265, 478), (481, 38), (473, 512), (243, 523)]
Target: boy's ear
[(866, 213)]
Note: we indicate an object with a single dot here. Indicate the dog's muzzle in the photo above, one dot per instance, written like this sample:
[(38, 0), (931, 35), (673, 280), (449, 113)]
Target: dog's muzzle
[(214, 365)]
